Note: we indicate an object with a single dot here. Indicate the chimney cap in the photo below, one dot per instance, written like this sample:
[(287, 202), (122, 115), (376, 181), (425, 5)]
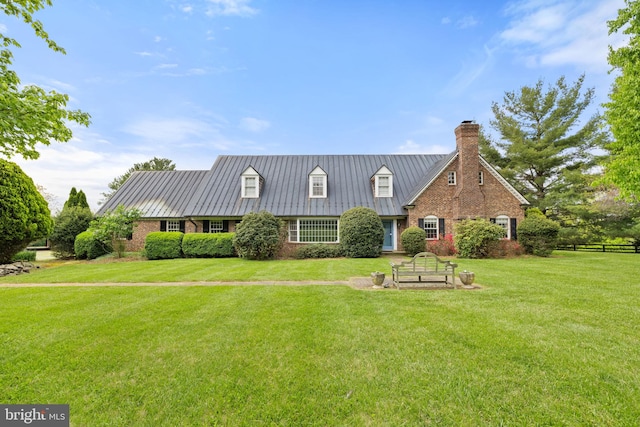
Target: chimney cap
[(468, 121)]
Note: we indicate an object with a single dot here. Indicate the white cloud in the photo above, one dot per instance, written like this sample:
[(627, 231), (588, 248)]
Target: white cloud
[(158, 39), (186, 8), (252, 124), (63, 166), (445, 21), (467, 22), (411, 147), (563, 32), (230, 8), (144, 53)]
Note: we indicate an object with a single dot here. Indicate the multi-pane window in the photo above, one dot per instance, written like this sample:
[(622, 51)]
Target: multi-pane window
[(250, 186), (431, 227), (318, 183), (313, 231), (503, 221), (216, 226), (451, 177), (317, 186), (383, 186), (173, 225)]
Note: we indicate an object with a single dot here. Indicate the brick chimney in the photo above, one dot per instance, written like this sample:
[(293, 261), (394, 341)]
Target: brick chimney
[(469, 201)]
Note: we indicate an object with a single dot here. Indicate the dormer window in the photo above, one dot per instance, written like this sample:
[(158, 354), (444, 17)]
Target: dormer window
[(251, 182), (318, 183), (383, 185)]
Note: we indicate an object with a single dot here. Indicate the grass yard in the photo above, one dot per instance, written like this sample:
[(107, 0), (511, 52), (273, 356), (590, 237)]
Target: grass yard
[(547, 341)]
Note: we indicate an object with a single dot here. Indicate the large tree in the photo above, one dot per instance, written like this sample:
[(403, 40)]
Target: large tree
[(545, 149), (24, 214), (155, 164), (28, 114), (623, 109)]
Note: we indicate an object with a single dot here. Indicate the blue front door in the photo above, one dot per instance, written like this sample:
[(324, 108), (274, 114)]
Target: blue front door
[(387, 245)]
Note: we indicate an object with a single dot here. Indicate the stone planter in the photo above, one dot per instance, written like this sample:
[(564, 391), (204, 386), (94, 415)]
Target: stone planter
[(467, 277), (377, 278)]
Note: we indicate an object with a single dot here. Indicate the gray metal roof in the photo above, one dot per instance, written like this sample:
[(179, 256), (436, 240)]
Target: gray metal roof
[(285, 190), (285, 186), (158, 194)]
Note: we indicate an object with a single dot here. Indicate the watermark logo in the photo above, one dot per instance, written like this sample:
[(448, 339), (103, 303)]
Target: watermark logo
[(34, 415)]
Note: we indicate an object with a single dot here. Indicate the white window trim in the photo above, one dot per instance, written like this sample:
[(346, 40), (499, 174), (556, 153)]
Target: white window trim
[(434, 219), (451, 178), (173, 225), (294, 229), (504, 222), (318, 173), (389, 187), (250, 174), (219, 226)]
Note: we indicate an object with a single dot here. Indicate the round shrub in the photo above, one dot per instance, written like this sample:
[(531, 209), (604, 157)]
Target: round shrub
[(208, 245), (259, 236), (361, 233), (413, 240), (474, 237), (88, 246), (163, 245), (538, 235)]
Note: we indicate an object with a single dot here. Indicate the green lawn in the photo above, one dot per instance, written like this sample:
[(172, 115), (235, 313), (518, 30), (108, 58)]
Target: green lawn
[(546, 342)]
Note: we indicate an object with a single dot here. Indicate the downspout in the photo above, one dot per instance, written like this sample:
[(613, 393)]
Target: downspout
[(194, 224)]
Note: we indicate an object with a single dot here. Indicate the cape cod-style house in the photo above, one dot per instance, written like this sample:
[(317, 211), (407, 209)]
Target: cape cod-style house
[(310, 192)]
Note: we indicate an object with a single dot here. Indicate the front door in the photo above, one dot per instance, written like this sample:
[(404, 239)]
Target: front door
[(389, 235)]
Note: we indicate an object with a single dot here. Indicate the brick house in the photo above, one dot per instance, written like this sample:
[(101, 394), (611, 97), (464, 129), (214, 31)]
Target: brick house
[(310, 192)]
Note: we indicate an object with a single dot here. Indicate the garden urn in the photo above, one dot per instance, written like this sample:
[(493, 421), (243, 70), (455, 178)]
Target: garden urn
[(467, 277), (377, 278)]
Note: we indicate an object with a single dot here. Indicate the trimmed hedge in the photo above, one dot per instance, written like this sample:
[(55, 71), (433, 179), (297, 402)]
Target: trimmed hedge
[(260, 236), (319, 250), (163, 244), (413, 240), (87, 246), (208, 245)]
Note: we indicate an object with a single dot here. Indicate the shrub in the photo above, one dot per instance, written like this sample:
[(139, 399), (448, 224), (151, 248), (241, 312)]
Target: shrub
[(413, 240), (208, 245), (473, 237), (504, 249), (260, 236), (442, 247), (538, 235), (24, 256), (88, 246), (361, 233), (163, 245), (114, 227), (319, 250), (67, 225), (24, 214)]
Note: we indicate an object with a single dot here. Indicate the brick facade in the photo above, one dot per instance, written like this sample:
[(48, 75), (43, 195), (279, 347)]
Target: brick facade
[(467, 198)]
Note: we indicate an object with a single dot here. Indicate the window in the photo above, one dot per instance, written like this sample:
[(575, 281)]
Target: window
[(173, 225), (431, 227), (503, 221), (216, 226), (480, 177), (384, 186), (318, 183), (451, 178), (313, 230), (383, 183), (250, 183)]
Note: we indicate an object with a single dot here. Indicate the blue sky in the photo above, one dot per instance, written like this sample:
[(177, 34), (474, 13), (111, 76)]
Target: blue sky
[(191, 80)]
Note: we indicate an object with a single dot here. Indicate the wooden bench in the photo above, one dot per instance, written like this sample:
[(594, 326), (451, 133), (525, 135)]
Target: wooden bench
[(424, 264)]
